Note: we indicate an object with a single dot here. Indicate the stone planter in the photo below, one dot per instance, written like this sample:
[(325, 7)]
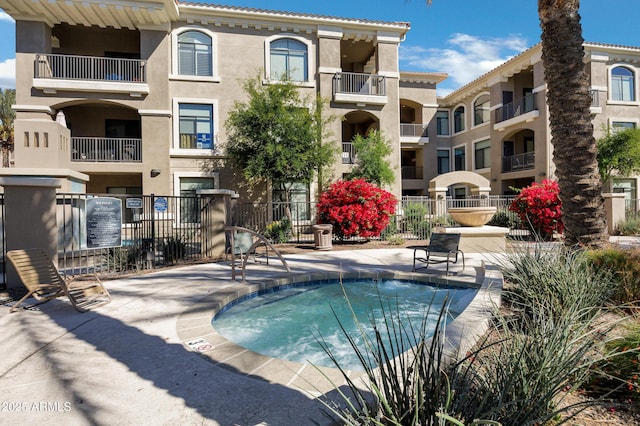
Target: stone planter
[(472, 216)]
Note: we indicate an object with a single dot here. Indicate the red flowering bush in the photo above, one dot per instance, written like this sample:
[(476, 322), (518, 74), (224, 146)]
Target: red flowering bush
[(356, 208), (539, 206)]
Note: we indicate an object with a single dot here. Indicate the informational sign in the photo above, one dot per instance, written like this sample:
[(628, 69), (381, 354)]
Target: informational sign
[(203, 141), (104, 222), (200, 345), (161, 204), (134, 203)]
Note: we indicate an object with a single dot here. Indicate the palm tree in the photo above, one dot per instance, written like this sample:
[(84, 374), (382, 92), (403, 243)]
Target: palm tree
[(575, 151), (574, 147), (7, 117)]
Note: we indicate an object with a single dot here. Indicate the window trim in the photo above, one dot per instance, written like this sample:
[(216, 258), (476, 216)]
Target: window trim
[(473, 144), (473, 104), (448, 150), (174, 55), (634, 70), (464, 119), (453, 150), (448, 122), (311, 66), (175, 143), (176, 189)]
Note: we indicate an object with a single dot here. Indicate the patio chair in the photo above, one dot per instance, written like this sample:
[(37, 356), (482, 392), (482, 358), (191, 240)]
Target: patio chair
[(442, 248), (243, 243), (43, 281)]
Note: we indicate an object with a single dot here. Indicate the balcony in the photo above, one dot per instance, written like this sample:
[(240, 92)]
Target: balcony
[(348, 153), (90, 74), (412, 172), (98, 150), (515, 163), (517, 108), (351, 87), (416, 133)]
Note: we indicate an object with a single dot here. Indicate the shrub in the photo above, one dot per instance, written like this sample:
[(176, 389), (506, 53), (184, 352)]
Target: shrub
[(622, 371), (624, 264), (630, 226), (539, 206), (416, 220), (356, 208), (174, 249), (505, 219), (279, 231)]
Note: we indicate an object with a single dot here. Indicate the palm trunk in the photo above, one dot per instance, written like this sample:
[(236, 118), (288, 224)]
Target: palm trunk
[(574, 153)]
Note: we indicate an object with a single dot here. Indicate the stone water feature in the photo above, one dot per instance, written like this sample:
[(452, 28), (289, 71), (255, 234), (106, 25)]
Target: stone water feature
[(476, 236)]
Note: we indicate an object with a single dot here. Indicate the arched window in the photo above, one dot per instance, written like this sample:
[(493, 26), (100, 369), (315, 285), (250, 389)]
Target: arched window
[(458, 119), (622, 84), (288, 59), (481, 110), (194, 54)]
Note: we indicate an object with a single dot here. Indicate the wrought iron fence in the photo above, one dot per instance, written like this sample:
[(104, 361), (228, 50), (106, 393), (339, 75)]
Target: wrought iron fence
[(414, 218), (632, 209), (156, 230)]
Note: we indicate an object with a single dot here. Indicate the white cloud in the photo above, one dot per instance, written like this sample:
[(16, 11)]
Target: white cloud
[(468, 58), (8, 74), (5, 17)]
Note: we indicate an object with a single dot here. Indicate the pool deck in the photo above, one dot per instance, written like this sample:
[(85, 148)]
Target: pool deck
[(151, 357)]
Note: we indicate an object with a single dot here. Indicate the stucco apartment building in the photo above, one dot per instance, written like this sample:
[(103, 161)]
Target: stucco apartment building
[(498, 124), (135, 95)]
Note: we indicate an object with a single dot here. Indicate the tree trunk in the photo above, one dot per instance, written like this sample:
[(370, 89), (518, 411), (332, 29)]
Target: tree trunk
[(575, 152)]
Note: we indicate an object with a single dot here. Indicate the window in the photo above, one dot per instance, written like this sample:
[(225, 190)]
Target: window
[(442, 123), (195, 54), (443, 161), (288, 60), (189, 205), (618, 126), (196, 126), (458, 159), (458, 119), (481, 110), (622, 84), (482, 154)]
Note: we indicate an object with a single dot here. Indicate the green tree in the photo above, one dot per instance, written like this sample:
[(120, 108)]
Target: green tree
[(7, 117), (371, 159), (274, 138), (619, 154)]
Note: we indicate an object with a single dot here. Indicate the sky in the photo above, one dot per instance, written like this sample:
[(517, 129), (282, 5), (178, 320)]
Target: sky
[(463, 38)]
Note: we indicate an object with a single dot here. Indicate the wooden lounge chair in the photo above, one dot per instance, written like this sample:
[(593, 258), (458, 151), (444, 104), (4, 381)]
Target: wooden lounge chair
[(442, 248), (43, 281)]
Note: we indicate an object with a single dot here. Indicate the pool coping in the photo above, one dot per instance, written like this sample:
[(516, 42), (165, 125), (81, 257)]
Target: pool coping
[(195, 331)]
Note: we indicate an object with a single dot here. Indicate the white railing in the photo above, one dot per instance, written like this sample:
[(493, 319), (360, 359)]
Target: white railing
[(73, 67), (348, 153), (118, 150), (359, 83), (413, 130)]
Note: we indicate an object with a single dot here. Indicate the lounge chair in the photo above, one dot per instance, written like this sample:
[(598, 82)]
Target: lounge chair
[(43, 281), (442, 248)]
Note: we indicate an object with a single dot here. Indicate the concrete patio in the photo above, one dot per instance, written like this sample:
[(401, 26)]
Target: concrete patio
[(129, 362)]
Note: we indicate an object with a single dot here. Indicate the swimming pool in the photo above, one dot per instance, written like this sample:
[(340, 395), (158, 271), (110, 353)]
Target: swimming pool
[(286, 322)]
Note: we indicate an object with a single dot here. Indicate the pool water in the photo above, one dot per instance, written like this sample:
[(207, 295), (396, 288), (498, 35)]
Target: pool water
[(287, 323)]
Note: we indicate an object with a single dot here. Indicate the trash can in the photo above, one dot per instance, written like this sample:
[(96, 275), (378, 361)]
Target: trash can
[(322, 235)]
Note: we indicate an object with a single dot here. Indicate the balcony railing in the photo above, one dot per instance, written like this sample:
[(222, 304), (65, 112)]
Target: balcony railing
[(359, 84), (412, 172), (73, 67), (413, 130), (348, 153), (95, 150), (513, 109), (519, 162)]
